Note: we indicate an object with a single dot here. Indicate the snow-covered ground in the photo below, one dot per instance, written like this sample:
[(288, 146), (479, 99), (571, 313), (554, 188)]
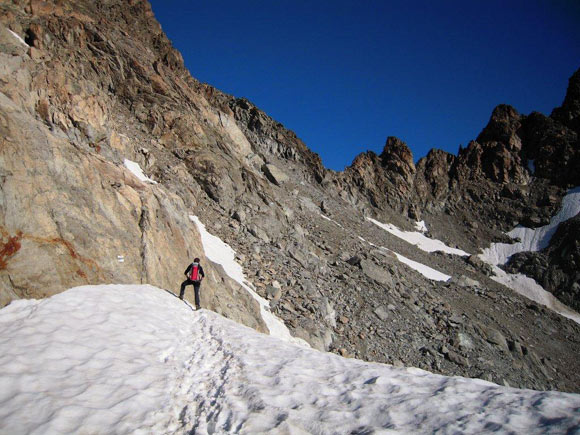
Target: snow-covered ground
[(533, 239), (219, 252), (135, 359), (418, 239), (426, 271), (137, 171)]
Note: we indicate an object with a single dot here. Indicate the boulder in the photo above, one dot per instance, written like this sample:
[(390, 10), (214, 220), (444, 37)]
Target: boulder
[(493, 336), (376, 273), (382, 313), (464, 281), (274, 174)]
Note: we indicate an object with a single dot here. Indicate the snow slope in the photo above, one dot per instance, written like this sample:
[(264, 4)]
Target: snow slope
[(418, 239), (529, 288), (220, 252), (135, 359), (426, 271), (533, 239)]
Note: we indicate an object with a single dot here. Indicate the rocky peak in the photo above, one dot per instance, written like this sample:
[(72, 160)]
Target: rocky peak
[(433, 173), (502, 128), (398, 158), (569, 113)]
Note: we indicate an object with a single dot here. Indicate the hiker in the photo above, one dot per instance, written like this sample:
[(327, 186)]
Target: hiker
[(195, 275)]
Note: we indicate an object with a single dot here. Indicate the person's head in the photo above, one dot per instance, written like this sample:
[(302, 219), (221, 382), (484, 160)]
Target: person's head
[(196, 260)]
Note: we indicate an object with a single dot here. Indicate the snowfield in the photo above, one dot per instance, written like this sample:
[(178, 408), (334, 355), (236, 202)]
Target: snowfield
[(418, 239), (135, 359), (426, 271), (533, 239)]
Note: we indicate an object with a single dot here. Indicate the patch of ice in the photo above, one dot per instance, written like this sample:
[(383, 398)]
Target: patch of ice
[(533, 239), (135, 359), (137, 171), (420, 240), (221, 253), (17, 36)]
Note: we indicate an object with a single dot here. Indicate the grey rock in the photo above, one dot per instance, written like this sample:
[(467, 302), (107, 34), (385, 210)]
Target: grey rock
[(239, 215), (464, 281), (516, 348), (457, 358), (381, 312), (493, 336), (274, 293), (376, 273), (259, 233), (354, 261), (274, 174), (462, 340)]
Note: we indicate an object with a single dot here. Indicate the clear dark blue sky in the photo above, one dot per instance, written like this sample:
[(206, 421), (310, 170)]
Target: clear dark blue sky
[(344, 75)]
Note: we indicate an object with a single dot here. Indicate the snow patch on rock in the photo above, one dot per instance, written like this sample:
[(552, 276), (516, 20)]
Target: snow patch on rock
[(330, 220), (17, 36), (533, 239), (426, 271), (221, 253), (418, 239), (137, 171), (421, 226), (528, 287)]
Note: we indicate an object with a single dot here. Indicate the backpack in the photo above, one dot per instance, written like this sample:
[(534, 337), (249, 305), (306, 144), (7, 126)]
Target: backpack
[(195, 275)]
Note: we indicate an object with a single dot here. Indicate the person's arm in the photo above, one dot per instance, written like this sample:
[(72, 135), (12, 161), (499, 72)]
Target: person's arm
[(187, 270), (201, 271)]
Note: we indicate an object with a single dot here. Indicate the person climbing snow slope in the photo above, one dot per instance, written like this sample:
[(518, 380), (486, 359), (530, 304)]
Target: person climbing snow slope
[(195, 275)]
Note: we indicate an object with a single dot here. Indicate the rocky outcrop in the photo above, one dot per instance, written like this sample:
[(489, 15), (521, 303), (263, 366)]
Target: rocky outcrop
[(569, 113), (555, 267), (71, 213), (384, 180)]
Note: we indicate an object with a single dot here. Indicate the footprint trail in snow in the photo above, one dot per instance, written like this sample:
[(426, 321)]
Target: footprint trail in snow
[(125, 359)]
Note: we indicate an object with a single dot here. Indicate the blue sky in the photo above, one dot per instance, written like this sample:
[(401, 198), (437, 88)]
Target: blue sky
[(344, 75)]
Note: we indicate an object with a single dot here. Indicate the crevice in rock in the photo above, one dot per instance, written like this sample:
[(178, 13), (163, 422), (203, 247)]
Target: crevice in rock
[(144, 226)]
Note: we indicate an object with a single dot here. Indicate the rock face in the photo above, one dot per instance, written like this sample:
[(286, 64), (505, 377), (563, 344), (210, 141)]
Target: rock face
[(94, 83), (555, 267), (71, 213)]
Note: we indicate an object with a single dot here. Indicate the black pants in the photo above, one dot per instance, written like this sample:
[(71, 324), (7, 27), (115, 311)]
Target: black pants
[(196, 285)]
